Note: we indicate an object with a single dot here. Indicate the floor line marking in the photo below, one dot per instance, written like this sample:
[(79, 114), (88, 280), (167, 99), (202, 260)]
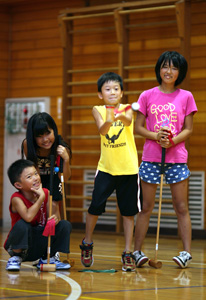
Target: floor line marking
[(83, 297), (76, 290), (32, 292), (151, 289)]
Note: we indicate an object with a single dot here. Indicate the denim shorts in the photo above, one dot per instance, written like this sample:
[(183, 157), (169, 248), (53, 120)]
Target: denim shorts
[(175, 172)]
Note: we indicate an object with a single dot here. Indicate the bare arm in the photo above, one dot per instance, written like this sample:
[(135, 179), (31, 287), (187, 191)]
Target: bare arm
[(162, 135), (102, 126), (28, 214), (63, 152), (187, 131), (126, 118), (25, 147), (141, 130), (183, 135)]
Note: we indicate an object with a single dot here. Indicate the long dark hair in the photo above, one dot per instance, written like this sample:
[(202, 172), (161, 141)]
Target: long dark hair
[(39, 124)]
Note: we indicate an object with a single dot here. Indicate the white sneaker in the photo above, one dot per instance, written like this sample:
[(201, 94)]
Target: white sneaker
[(59, 265), (14, 263), (183, 260), (57, 257), (140, 258)]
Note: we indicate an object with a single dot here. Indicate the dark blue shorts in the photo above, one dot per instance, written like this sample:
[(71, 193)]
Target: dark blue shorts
[(127, 193), (150, 172)]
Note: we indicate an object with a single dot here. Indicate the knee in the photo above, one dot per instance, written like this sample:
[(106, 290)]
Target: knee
[(181, 209), (22, 227), (147, 208), (65, 226)]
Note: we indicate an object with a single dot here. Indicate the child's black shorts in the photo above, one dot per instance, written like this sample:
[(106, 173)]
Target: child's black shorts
[(127, 192)]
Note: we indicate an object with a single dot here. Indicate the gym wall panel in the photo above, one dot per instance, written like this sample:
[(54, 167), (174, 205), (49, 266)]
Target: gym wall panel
[(4, 64), (35, 66), (148, 36), (30, 55)]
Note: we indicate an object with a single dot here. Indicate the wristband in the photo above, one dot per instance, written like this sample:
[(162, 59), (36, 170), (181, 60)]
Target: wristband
[(119, 111), (170, 139), (110, 106)]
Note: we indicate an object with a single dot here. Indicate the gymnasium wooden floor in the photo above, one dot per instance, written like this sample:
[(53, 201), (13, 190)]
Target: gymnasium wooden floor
[(169, 282)]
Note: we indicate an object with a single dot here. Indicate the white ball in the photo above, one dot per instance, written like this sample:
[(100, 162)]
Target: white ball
[(135, 106)]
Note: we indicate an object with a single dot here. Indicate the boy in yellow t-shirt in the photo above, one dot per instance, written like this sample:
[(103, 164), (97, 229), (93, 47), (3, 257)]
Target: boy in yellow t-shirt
[(117, 167)]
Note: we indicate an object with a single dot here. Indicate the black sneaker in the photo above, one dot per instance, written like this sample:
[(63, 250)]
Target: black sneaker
[(128, 261), (87, 259), (183, 260)]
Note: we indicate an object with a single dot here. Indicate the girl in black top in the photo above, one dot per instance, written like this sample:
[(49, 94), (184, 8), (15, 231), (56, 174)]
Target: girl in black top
[(42, 140)]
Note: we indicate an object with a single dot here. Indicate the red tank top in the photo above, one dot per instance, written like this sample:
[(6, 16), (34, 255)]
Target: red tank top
[(40, 218)]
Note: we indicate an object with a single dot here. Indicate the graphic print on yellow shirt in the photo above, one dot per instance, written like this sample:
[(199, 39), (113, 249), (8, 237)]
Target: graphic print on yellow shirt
[(118, 149), (113, 139)]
